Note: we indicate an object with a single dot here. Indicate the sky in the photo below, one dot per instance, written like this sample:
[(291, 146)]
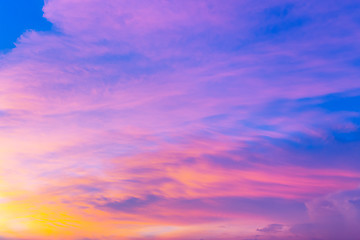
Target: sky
[(179, 120)]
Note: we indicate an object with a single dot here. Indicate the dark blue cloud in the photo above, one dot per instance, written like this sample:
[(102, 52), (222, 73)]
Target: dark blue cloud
[(272, 228), (216, 207), (356, 203), (226, 161), (131, 204)]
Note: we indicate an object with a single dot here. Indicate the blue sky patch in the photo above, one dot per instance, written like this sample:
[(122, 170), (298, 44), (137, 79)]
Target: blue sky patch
[(17, 16)]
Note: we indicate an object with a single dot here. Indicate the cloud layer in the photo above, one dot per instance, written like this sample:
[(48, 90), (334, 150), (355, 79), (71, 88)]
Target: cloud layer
[(183, 120)]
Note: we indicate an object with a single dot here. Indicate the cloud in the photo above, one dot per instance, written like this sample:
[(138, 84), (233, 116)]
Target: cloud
[(131, 204), (272, 228), (184, 116), (332, 217), (202, 210)]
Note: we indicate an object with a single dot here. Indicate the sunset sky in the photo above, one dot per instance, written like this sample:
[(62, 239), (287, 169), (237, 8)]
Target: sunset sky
[(179, 120)]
